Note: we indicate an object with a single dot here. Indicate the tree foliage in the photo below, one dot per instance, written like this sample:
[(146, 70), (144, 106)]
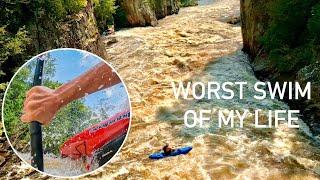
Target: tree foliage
[(12, 45), (186, 3), (70, 120), (25, 27), (104, 10), (292, 39)]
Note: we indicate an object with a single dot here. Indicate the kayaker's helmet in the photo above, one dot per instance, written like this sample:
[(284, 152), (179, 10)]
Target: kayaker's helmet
[(165, 148)]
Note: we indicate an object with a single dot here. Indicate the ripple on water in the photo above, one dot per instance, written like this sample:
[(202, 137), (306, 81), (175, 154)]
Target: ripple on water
[(244, 152)]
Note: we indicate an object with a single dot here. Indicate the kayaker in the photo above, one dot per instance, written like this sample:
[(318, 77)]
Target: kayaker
[(43, 103), (167, 149)]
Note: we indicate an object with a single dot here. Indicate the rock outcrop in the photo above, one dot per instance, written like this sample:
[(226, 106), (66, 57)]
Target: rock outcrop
[(165, 7), (255, 22), (76, 31), (144, 13), (81, 32)]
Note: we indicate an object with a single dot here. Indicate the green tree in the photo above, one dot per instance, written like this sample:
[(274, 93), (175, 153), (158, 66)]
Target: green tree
[(13, 106), (103, 11), (70, 120), (186, 3), (292, 39), (25, 27)]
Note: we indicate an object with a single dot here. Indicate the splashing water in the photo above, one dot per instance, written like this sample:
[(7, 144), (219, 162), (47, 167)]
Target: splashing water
[(57, 166), (204, 52), (223, 152), (247, 152)]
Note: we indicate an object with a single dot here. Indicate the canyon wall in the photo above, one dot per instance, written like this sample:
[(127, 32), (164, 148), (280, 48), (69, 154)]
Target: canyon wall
[(143, 13), (78, 30), (282, 39)]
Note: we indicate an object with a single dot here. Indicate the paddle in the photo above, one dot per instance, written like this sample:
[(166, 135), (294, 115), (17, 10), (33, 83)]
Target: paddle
[(35, 126)]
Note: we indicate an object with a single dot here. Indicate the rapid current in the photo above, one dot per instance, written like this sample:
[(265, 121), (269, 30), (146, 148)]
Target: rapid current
[(199, 45)]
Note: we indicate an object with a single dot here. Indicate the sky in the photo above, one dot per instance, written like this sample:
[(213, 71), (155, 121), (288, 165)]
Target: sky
[(69, 64)]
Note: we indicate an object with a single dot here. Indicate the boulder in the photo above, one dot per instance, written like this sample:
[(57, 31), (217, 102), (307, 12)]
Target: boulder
[(143, 13)]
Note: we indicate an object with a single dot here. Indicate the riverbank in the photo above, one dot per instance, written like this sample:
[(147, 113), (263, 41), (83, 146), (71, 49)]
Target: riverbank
[(285, 47)]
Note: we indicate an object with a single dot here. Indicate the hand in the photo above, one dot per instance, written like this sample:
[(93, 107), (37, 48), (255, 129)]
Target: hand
[(41, 104)]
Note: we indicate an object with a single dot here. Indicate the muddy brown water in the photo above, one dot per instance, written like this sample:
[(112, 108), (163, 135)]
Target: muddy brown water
[(196, 45)]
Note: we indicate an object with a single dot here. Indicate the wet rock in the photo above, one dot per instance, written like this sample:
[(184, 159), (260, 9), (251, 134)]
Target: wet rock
[(253, 25), (110, 40), (179, 64), (233, 20), (144, 13), (183, 34), (80, 31), (311, 108), (75, 31)]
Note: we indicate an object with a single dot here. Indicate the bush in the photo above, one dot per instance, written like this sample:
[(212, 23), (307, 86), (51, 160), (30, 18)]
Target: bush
[(23, 24), (292, 34), (74, 6), (103, 11), (314, 23), (12, 50), (186, 3), (70, 120)]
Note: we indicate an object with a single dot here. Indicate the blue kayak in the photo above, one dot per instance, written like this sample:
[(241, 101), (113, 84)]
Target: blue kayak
[(160, 155)]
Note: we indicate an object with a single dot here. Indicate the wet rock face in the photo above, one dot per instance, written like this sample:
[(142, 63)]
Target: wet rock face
[(144, 13), (80, 31), (75, 31), (311, 108), (166, 7), (255, 21)]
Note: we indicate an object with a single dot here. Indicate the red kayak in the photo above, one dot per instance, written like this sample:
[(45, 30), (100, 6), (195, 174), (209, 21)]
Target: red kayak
[(86, 143)]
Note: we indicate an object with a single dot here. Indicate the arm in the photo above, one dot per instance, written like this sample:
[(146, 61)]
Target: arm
[(42, 103), (97, 78)]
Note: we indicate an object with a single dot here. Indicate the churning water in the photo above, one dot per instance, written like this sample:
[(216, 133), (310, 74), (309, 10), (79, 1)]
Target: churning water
[(58, 166), (195, 45), (205, 2), (223, 152)]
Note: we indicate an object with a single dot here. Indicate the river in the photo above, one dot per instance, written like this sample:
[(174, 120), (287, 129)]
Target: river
[(197, 44), (205, 2)]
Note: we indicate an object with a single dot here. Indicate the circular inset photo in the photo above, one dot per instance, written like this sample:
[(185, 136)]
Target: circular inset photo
[(66, 112)]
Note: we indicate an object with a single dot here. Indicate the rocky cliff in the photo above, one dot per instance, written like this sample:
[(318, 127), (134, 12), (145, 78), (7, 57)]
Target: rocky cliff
[(254, 20), (281, 39), (143, 12), (78, 30)]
